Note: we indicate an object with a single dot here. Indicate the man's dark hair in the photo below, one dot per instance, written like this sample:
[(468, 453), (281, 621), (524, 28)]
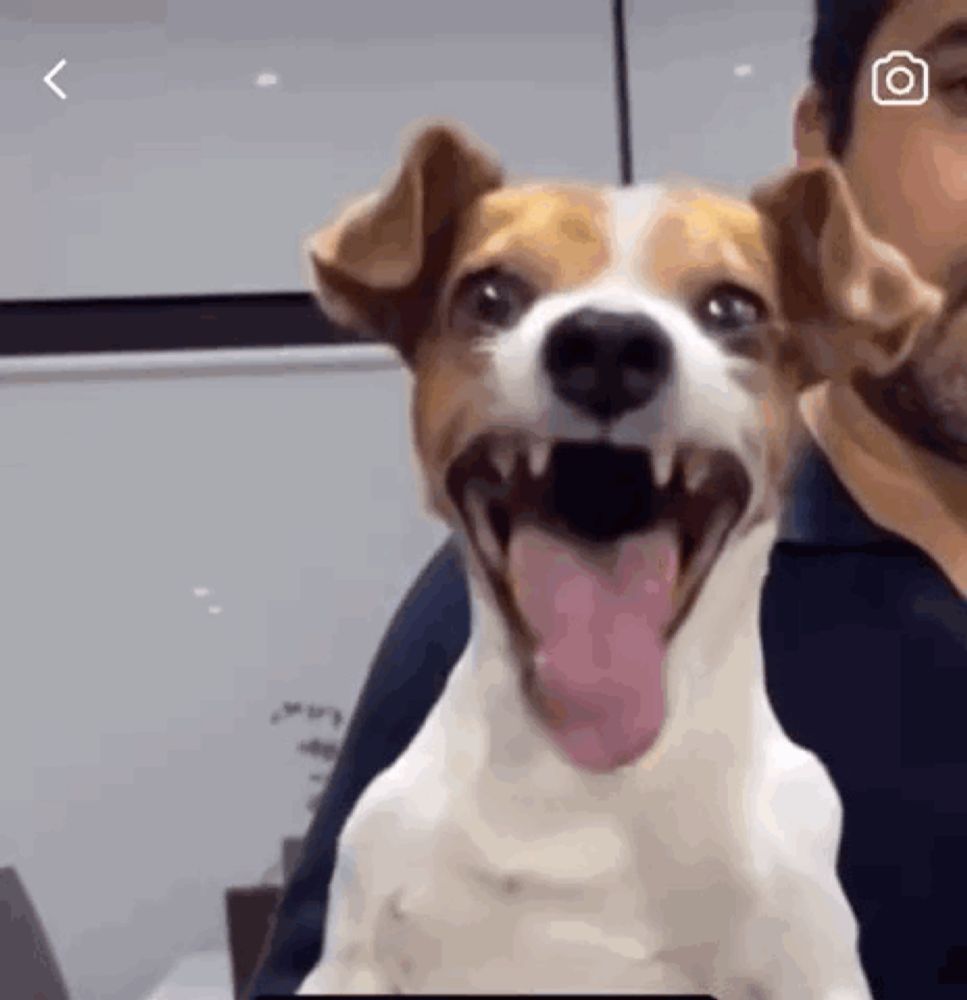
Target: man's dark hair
[(843, 31)]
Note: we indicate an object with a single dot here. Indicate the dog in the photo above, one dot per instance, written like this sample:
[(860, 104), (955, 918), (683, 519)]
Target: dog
[(604, 409)]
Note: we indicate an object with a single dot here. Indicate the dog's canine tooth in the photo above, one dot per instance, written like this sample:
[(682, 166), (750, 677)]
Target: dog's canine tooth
[(504, 457), (483, 531), (538, 455), (696, 470), (662, 460)]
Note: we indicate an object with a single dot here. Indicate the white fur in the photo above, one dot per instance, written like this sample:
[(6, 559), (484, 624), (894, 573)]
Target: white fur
[(483, 861)]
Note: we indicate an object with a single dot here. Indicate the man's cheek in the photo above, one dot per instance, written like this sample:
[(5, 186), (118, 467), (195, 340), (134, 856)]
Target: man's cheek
[(949, 162), (927, 218)]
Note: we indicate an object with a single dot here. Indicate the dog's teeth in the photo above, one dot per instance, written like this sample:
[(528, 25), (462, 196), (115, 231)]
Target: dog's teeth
[(504, 457), (485, 535), (662, 460), (538, 455), (696, 471)]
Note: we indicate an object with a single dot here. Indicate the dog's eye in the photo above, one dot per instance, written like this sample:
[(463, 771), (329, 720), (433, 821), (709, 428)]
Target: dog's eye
[(495, 298), (729, 307)]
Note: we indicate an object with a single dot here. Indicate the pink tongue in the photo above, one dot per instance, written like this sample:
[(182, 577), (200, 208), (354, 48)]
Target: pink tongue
[(600, 635)]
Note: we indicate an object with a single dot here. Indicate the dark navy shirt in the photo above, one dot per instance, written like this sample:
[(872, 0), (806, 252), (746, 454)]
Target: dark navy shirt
[(866, 659), (866, 662)]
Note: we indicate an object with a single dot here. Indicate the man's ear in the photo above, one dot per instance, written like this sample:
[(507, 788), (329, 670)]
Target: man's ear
[(853, 302), (377, 268)]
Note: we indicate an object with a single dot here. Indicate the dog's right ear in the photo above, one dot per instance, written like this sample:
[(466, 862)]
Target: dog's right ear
[(853, 303), (379, 266)]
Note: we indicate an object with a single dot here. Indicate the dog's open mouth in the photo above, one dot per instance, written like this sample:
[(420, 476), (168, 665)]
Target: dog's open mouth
[(598, 553)]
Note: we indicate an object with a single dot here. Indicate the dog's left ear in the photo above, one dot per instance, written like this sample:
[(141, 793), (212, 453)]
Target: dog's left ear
[(853, 302), (379, 265)]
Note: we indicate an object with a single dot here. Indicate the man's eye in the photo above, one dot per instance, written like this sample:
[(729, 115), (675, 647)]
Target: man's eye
[(730, 307), (954, 91), (495, 298)]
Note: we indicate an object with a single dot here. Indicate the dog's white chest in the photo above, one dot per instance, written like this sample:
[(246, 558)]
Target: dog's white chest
[(498, 892), (457, 926), (474, 908)]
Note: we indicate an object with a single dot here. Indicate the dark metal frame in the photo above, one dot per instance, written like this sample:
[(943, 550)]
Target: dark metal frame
[(86, 326)]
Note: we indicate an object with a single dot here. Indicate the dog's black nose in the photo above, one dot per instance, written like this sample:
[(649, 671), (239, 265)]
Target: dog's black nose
[(607, 363)]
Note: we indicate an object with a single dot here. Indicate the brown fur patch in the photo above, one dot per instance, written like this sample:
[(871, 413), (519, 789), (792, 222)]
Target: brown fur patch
[(701, 239), (450, 406), (782, 433), (858, 303), (379, 266), (555, 236)]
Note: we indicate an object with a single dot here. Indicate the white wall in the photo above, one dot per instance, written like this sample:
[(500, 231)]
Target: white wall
[(168, 171), (140, 773), (713, 83)]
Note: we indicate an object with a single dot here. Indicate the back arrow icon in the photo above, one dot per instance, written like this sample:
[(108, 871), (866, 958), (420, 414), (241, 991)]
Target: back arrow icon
[(49, 79)]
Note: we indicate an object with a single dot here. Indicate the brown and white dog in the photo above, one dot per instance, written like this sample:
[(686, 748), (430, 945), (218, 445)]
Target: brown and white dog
[(605, 380)]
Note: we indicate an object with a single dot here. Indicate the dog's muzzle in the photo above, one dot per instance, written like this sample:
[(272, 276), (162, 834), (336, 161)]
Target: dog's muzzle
[(606, 364), (603, 551)]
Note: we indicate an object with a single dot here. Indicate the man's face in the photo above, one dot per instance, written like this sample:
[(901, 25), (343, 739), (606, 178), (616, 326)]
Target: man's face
[(907, 166)]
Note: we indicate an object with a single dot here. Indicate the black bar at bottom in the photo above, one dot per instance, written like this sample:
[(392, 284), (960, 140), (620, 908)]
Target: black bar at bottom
[(570, 996)]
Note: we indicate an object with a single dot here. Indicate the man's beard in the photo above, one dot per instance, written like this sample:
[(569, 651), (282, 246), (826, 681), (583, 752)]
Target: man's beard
[(939, 377), (939, 368), (926, 399)]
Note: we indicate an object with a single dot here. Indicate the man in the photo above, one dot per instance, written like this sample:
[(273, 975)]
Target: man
[(864, 617)]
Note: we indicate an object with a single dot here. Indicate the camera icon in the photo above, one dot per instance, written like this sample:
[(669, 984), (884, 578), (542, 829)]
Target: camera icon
[(900, 78)]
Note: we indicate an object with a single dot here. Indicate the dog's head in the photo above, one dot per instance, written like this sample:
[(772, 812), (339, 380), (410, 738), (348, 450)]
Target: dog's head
[(605, 386)]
